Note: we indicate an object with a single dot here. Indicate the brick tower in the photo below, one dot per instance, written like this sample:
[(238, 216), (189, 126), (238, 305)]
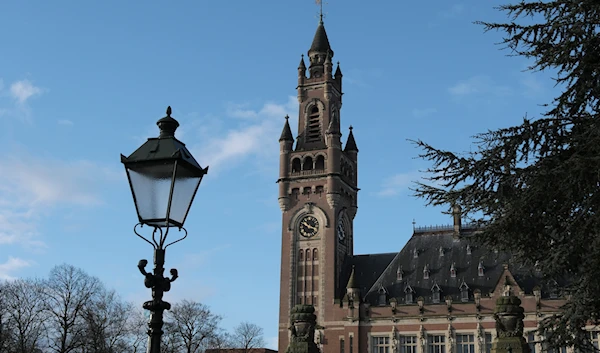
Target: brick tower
[(317, 192)]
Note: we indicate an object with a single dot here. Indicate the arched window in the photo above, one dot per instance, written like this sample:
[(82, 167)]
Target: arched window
[(296, 165), (301, 255), (315, 255), (308, 163), (320, 163), (307, 254), (313, 128)]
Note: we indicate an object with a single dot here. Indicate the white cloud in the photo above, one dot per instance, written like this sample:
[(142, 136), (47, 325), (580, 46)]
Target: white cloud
[(22, 90), (419, 113), (398, 183), (30, 187), (65, 122), (13, 264), (480, 84), (254, 137)]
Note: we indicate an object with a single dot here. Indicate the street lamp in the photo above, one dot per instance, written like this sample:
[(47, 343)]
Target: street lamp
[(164, 177)]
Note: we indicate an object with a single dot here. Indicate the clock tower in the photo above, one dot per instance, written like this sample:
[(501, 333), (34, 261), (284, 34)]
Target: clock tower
[(317, 192)]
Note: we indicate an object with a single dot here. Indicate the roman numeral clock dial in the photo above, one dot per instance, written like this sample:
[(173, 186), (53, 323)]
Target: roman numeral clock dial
[(309, 226)]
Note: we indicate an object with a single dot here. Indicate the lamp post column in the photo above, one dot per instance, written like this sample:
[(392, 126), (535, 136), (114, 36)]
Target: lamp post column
[(156, 306)]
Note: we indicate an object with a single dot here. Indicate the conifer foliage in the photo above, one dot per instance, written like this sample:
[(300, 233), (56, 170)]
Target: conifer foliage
[(534, 187)]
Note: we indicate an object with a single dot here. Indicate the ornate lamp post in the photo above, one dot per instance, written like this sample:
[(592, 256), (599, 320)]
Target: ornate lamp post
[(164, 177)]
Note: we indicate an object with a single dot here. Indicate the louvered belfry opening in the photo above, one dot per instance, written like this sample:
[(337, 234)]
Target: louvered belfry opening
[(313, 130)]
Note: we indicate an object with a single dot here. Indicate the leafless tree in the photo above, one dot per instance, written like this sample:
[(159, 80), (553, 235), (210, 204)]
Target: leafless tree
[(220, 341), (68, 291), (193, 323), (138, 331), (106, 323), (248, 337), (23, 317)]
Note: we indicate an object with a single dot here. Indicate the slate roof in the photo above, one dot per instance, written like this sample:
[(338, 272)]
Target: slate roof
[(367, 269), (320, 43), (377, 271), (286, 133)]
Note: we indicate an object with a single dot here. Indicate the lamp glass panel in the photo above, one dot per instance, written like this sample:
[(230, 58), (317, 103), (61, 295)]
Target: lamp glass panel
[(187, 181), (151, 186)]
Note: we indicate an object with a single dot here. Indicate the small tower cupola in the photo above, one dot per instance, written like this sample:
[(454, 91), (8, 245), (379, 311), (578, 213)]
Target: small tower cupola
[(352, 289), (286, 134), (319, 51), (302, 67), (351, 142)]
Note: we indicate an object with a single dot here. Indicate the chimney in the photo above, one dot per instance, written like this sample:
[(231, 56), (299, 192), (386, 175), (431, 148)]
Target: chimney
[(456, 213)]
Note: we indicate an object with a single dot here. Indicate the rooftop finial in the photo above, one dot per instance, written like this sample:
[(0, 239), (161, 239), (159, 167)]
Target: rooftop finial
[(350, 128), (287, 117), (320, 3), (167, 125)]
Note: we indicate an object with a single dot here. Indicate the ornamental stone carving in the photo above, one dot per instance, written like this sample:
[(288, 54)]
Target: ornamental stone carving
[(509, 326), (303, 325)]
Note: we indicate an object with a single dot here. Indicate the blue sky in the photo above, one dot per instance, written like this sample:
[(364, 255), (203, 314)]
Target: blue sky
[(82, 82)]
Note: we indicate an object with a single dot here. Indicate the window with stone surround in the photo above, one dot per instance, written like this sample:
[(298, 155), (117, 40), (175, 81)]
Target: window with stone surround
[(465, 343), (408, 344), (380, 344), (436, 344), (342, 346), (594, 338), (351, 344), (488, 343), (531, 342)]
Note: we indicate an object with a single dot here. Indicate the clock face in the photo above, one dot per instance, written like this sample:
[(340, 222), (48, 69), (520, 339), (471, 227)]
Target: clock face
[(309, 226), (341, 231)]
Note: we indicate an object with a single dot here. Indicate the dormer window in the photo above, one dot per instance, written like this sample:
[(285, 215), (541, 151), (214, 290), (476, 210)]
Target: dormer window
[(453, 271), (464, 292), (480, 269), (426, 272), (382, 295), (553, 289), (415, 253), (408, 294), (441, 251), (468, 249), (435, 291), (399, 273)]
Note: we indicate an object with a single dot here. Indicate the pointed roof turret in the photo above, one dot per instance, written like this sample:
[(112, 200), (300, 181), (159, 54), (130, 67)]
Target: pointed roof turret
[(338, 71), (351, 143), (302, 64), (320, 43), (286, 134), (352, 281)]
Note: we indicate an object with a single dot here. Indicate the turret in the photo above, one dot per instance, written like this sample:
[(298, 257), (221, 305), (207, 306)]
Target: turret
[(318, 51), (285, 147), (334, 151), (351, 150), (301, 71), (338, 76), (328, 67)]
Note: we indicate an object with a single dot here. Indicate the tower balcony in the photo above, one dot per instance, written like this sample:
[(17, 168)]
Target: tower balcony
[(308, 172)]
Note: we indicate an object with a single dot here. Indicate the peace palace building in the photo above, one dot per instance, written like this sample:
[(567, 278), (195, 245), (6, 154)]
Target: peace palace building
[(437, 295)]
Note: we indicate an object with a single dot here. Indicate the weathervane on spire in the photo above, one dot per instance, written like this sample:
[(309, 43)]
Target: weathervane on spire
[(320, 3)]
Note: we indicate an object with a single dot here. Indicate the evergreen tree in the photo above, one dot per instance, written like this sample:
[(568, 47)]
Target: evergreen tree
[(534, 188)]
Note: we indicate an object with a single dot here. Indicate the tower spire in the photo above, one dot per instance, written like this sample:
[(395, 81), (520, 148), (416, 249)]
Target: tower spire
[(320, 3)]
